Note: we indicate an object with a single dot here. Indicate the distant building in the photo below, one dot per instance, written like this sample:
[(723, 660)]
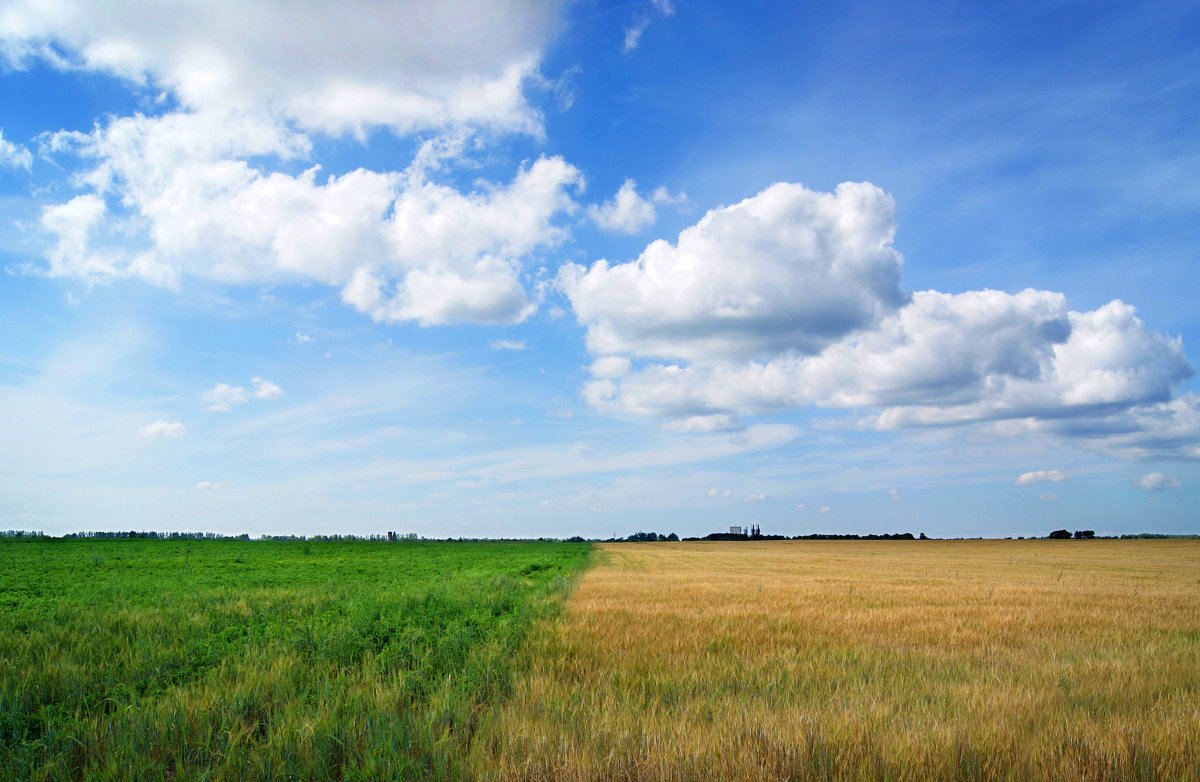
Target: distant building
[(735, 531)]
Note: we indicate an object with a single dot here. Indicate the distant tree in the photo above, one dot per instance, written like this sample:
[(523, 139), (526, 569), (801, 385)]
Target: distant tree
[(672, 537), (1060, 534), (923, 536), (1085, 534)]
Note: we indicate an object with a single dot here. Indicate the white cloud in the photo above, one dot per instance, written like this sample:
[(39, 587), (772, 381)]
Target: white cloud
[(222, 397), (507, 344), (626, 212), (826, 509), (301, 338), (1041, 476), (72, 223), (663, 196), (14, 155), (545, 504), (792, 298), (265, 389), (703, 423), (400, 246), (718, 493), (801, 505), (208, 485), (895, 494), (200, 179), (610, 367), (758, 497), (1157, 481), (633, 33), (162, 429), (408, 66), (789, 269), (1047, 497)]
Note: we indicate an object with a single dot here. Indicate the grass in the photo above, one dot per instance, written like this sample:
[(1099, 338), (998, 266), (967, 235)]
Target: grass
[(155, 659), (944, 660)]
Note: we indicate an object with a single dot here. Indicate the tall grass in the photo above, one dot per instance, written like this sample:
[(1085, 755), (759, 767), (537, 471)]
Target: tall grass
[(255, 660), (994, 660)]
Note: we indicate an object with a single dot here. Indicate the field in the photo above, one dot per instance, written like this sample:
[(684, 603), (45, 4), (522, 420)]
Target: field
[(951, 660), (152, 659), (860, 660)]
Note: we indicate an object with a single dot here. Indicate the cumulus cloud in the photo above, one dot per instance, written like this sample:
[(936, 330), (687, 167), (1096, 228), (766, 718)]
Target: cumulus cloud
[(222, 397), (718, 493), (1041, 476), (789, 269), (757, 497), (663, 196), (162, 429), (791, 298), (204, 179), (507, 344), (208, 485), (336, 69), (399, 245), (265, 389), (1157, 481), (703, 424), (610, 367), (14, 155), (301, 338), (626, 212)]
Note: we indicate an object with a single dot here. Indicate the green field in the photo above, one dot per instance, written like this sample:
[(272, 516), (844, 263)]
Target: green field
[(252, 660)]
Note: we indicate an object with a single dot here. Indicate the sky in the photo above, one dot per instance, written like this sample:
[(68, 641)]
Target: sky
[(472, 269)]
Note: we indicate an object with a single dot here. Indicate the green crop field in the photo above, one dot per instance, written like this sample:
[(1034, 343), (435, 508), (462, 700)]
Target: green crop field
[(222, 659)]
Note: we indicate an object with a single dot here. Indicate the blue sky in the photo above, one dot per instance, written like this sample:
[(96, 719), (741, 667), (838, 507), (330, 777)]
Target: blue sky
[(595, 268)]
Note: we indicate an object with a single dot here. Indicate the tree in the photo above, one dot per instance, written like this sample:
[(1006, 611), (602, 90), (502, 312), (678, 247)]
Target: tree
[(1060, 534), (1085, 534)]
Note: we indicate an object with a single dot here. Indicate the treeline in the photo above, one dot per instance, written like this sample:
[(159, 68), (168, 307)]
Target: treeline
[(653, 537), (391, 537)]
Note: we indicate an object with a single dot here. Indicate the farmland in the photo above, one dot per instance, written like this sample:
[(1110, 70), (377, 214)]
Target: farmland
[(865, 660), (251, 660), (668, 661)]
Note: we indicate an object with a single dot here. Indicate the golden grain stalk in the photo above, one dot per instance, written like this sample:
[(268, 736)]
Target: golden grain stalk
[(865, 660)]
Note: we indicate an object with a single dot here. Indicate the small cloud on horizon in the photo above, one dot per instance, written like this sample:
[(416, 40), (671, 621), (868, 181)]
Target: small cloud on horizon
[(1041, 476), (1157, 481), (161, 429), (222, 397)]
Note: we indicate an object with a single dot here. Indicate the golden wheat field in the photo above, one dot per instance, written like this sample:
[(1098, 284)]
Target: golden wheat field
[(864, 660)]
